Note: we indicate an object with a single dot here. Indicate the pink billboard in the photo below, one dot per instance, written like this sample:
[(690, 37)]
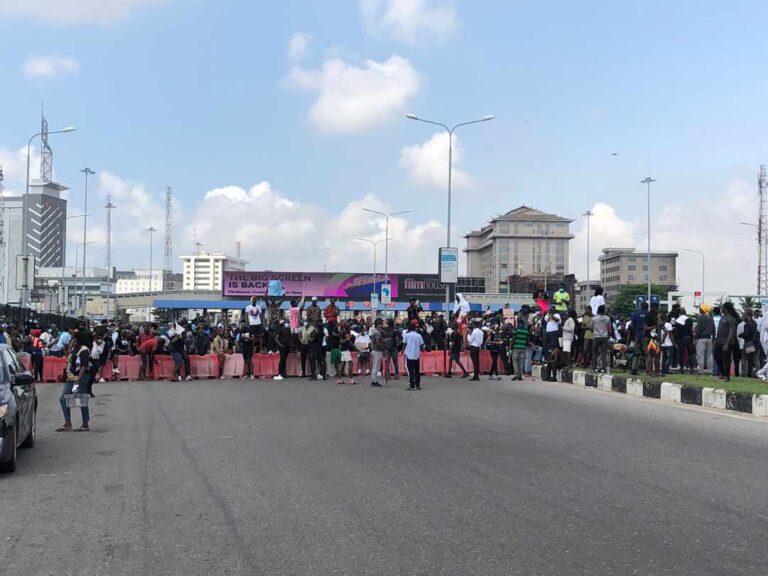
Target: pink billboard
[(298, 284)]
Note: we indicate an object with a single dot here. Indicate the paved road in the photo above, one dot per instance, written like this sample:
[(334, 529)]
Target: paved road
[(304, 478)]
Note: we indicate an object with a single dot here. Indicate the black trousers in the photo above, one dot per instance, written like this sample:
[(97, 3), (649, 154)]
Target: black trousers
[(494, 363), (284, 351), (723, 360), (414, 373), (304, 353), (474, 353)]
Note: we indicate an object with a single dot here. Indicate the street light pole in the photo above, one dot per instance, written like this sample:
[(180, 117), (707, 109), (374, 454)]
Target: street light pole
[(151, 231), (87, 171), (700, 253), (374, 243), (386, 235), (25, 213), (588, 214), (450, 178), (77, 260), (647, 181), (546, 257)]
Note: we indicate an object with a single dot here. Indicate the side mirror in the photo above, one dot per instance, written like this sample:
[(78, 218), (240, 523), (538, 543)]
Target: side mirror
[(24, 379)]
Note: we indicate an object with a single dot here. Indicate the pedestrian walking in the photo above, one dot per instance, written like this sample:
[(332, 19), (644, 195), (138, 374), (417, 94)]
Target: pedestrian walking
[(414, 343), (475, 343)]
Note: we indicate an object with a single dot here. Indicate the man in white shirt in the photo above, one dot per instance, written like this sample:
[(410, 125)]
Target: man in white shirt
[(597, 300), (552, 329), (475, 343), (413, 343), (253, 312)]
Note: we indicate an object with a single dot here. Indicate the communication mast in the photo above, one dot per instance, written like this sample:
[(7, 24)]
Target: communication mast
[(237, 248), (46, 154), (762, 233), (108, 256), (168, 262)]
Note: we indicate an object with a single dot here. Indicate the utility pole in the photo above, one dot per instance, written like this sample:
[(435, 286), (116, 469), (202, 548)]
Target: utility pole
[(88, 172), (648, 180), (108, 256), (588, 214)]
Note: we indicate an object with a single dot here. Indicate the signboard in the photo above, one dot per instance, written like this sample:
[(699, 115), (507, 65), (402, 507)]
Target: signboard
[(448, 265), (640, 299), (386, 293), (374, 301), (697, 298), (297, 284), (508, 313), (25, 272), (429, 287)]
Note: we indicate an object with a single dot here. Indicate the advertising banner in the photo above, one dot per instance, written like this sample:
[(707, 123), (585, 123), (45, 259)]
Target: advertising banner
[(298, 284)]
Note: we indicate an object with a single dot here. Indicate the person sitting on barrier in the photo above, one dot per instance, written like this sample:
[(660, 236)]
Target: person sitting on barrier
[(202, 342), (556, 361), (77, 375), (148, 345)]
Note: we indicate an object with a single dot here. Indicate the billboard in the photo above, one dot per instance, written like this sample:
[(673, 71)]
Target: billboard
[(320, 284), (345, 285)]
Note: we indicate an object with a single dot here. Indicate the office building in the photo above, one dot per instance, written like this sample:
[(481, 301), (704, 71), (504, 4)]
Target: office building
[(144, 280), (205, 270), (620, 266), (524, 242)]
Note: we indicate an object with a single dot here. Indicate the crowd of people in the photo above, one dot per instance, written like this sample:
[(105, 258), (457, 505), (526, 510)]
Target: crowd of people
[(717, 341)]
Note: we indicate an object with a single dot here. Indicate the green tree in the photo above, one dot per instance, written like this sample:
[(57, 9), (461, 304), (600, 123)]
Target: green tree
[(624, 303), (749, 303)]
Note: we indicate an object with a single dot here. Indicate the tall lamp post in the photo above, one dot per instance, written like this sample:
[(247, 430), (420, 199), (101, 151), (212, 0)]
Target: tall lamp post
[(83, 244), (386, 235), (25, 212), (700, 253), (546, 257), (88, 172), (588, 215), (151, 231), (374, 243), (647, 181), (450, 173)]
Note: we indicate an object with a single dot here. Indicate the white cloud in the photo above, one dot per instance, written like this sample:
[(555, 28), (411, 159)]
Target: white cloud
[(730, 248), (297, 46), (280, 233), (411, 21), (50, 66), (72, 11), (427, 163), (354, 99)]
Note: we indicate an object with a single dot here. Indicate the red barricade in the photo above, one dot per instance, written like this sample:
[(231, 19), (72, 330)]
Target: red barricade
[(52, 367), (265, 365), (432, 363), (163, 368), (234, 366), (485, 362), (129, 367), (293, 367), (204, 366)]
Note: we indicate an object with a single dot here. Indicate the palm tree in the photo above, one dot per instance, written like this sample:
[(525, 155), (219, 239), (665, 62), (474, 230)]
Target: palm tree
[(748, 303)]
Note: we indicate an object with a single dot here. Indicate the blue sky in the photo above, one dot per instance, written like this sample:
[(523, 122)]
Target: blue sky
[(203, 96)]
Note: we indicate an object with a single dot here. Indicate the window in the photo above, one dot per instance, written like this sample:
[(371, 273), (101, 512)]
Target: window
[(631, 277), (663, 268), (631, 267), (662, 278)]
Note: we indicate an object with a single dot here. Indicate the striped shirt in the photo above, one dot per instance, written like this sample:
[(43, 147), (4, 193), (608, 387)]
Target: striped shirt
[(521, 339)]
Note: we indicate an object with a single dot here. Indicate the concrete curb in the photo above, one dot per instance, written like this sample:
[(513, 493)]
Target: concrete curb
[(755, 404)]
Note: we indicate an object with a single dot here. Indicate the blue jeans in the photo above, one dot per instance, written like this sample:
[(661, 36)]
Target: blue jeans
[(82, 389), (666, 358)]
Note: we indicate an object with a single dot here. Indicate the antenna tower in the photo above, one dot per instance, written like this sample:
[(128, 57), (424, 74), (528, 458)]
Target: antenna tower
[(46, 154), (237, 248), (108, 256), (762, 233), (168, 262)]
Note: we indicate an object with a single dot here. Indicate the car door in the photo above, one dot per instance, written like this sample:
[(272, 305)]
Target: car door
[(22, 392)]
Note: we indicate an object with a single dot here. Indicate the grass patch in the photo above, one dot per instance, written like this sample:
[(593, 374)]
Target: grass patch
[(739, 385)]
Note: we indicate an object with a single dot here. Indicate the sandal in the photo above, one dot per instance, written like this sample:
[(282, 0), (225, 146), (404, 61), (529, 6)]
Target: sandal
[(65, 428)]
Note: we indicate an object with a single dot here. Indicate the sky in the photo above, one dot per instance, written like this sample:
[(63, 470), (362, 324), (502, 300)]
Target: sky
[(276, 123)]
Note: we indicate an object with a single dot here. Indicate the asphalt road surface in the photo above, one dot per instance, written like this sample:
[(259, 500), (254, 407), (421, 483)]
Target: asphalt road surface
[(309, 478)]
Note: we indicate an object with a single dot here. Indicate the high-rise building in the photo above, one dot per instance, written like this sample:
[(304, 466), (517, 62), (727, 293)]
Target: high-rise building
[(46, 232), (523, 242), (205, 270), (619, 266)]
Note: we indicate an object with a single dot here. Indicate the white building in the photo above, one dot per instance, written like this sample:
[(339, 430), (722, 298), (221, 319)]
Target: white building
[(522, 242), (145, 280), (205, 271)]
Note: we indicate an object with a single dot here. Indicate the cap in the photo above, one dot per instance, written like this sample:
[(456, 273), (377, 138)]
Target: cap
[(414, 322), (314, 298)]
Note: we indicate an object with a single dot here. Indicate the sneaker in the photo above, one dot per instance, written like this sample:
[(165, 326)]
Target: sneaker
[(178, 378), (101, 380), (188, 378), (278, 377), (320, 377), (339, 381), (411, 388), (378, 374), (221, 377), (417, 388), (376, 385), (353, 382), (465, 375), (115, 371)]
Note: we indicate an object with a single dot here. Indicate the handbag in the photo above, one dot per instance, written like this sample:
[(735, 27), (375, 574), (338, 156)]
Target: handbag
[(749, 348)]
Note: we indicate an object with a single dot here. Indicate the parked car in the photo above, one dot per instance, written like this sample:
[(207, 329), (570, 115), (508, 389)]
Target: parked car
[(18, 408)]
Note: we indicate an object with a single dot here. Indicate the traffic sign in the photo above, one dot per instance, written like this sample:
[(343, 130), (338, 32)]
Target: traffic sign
[(386, 293), (374, 301)]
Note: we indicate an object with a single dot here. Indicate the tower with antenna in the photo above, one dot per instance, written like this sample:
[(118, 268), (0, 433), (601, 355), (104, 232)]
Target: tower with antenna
[(762, 233), (108, 253), (168, 261), (46, 154), (237, 248)]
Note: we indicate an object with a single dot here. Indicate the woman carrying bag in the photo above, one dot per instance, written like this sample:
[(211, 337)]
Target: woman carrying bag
[(78, 377)]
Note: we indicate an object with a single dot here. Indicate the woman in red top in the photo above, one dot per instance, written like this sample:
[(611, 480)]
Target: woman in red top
[(147, 348)]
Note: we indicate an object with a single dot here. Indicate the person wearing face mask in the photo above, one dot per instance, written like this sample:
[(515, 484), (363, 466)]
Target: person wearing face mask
[(305, 337)]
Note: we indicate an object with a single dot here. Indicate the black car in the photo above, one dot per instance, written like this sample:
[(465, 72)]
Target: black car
[(18, 408)]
